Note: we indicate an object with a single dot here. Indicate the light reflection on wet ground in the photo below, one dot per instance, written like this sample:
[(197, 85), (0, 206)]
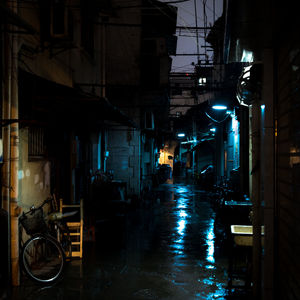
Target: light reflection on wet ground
[(193, 245), (164, 252)]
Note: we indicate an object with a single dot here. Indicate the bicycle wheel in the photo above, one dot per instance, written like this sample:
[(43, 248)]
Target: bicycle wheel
[(43, 258), (65, 239)]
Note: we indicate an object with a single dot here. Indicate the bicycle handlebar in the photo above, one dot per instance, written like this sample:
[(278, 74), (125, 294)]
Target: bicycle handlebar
[(33, 208)]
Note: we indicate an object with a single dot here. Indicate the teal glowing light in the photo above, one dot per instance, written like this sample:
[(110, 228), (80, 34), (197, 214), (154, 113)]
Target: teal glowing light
[(181, 134), (219, 107)]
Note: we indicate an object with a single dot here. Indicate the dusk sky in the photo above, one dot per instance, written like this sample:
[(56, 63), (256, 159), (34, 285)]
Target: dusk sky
[(187, 42)]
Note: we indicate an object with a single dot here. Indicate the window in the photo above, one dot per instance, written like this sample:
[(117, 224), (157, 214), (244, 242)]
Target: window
[(87, 27), (56, 21), (202, 81), (59, 19), (36, 145)]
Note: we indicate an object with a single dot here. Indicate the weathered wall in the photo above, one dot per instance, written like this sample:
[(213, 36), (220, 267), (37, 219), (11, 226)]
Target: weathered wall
[(34, 177), (73, 64), (288, 170), (124, 157), (123, 46), (66, 63)]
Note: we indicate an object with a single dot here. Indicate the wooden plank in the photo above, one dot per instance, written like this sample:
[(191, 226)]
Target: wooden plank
[(75, 226)]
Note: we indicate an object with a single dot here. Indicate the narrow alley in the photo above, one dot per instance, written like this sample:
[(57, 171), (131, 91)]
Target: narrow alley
[(171, 128), (166, 251)]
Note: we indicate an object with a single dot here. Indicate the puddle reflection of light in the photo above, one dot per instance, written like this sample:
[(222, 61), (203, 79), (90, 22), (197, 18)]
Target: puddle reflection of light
[(182, 190), (210, 267), (219, 292), (181, 227), (210, 236), (181, 203), (182, 214)]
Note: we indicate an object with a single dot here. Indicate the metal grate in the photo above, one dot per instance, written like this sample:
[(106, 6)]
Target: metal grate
[(36, 146)]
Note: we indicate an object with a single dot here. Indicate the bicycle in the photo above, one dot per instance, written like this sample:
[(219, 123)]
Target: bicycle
[(43, 256)]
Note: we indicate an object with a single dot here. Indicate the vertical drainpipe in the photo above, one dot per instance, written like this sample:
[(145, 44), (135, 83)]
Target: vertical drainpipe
[(6, 134), (194, 168), (103, 63), (14, 161), (244, 146), (269, 178), (6, 116), (256, 180), (103, 89), (14, 166), (219, 152)]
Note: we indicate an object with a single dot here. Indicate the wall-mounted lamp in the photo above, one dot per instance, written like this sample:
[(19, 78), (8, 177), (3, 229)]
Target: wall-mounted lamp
[(181, 134), (219, 107)]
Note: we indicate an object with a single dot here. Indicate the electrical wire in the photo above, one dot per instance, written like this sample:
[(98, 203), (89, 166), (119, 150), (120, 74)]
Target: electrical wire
[(188, 12), (185, 24), (184, 66), (143, 6), (214, 120), (174, 2)]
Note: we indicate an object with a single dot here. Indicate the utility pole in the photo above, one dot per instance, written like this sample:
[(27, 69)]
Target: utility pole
[(6, 136), (11, 147), (196, 23)]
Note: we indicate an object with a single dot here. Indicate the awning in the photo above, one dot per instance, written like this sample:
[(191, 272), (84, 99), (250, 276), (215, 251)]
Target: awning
[(54, 104)]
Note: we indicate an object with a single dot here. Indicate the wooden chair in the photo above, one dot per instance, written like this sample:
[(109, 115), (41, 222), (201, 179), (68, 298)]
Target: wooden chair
[(75, 227)]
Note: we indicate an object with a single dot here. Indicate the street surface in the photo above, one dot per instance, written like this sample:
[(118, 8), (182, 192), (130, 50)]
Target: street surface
[(165, 249)]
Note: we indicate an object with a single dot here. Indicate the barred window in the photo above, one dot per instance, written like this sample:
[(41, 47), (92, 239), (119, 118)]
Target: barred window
[(36, 146)]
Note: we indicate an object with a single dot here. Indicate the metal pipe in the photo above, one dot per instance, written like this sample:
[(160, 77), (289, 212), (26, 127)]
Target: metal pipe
[(269, 178), (6, 137), (256, 181), (196, 23), (103, 61), (14, 161)]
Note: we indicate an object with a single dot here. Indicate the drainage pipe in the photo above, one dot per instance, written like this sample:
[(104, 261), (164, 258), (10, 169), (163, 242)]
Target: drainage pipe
[(14, 164), (256, 199), (5, 189)]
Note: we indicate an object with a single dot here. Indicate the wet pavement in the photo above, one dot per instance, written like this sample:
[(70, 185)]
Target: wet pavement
[(164, 250)]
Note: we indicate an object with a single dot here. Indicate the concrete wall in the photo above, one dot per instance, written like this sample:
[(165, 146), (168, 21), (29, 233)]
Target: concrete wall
[(123, 46), (66, 65), (124, 157), (73, 64), (34, 177)]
